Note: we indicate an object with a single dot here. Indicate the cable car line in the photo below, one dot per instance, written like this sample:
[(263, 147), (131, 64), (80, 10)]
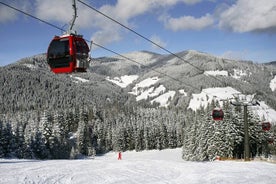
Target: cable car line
[(147, 39), (162, 73), (54, 26)]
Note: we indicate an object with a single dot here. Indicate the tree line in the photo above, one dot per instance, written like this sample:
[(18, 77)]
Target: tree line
[(87, 131)]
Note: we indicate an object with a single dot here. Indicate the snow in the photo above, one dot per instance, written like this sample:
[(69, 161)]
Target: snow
[(192, 53), (147, 82), (238, 74), (141, 57), (144, 94), (123, 81), (182, 91), (150, 92), (160, 89), (208, 94), (164, 98), (136, 167), (31, 66), (142, 90), (78, 79), (272, 84), (216, 72), (266, 112)]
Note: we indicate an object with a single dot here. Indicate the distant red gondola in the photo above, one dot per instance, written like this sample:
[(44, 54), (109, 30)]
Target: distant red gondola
[(217, 114), (270, 140), (266, 126)]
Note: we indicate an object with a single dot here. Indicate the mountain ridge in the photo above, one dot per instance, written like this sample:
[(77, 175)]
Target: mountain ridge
[(188, 74)]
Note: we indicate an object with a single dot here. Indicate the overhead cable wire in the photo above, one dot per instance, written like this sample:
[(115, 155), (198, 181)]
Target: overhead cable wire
[(152, 42), (109, 50), (149, 40)]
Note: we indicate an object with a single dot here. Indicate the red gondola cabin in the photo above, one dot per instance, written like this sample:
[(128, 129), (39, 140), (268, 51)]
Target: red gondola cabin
[(217, 114), (270, 140), (68, 53), (266, 126)]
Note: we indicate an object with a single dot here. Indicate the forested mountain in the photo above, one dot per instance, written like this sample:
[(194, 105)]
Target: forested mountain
[(272, 63), (140, 101)]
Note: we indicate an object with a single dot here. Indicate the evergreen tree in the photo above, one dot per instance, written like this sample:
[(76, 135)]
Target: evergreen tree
[(19, 141), (1, 140), (8, 141), (47, 129), (38, 146)]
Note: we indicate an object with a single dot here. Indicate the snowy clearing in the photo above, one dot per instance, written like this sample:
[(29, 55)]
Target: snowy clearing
[(216, 72), (182, 91), (146, 83), (208, 94), (164, 99), (78, 79), (136, 167), (31, 66), (123, 81)]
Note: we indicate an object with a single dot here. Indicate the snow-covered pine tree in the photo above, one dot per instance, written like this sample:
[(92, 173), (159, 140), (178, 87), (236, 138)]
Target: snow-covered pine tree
[(47, 128), (38, 146), (19, 141), (7, 141)]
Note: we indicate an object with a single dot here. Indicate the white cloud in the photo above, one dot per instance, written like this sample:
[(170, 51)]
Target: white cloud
[(7, 14), (105, 36), (249, 15), (54, 10), (189, 23), (123, 11)]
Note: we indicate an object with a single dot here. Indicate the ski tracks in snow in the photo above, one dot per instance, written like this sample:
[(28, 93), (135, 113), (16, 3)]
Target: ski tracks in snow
[(147, 167)]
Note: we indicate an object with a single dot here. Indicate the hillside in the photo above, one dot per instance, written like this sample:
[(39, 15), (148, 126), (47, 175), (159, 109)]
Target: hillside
[(33, 86), (170, 81), (30, 85)]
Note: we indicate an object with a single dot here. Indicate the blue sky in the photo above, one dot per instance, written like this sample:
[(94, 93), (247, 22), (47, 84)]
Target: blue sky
[(235, 29)]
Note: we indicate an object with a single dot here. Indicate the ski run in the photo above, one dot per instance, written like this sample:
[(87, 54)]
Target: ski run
[(157, 167)]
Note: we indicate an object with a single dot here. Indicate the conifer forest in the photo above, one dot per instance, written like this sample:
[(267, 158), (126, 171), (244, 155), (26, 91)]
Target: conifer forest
[(87, 131)]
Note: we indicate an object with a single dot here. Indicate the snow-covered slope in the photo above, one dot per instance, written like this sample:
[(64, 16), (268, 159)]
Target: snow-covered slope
[(148, 76), (145, 90), (204, 98), (272, 84), (123, 81), (136, 167), (209, 94)]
